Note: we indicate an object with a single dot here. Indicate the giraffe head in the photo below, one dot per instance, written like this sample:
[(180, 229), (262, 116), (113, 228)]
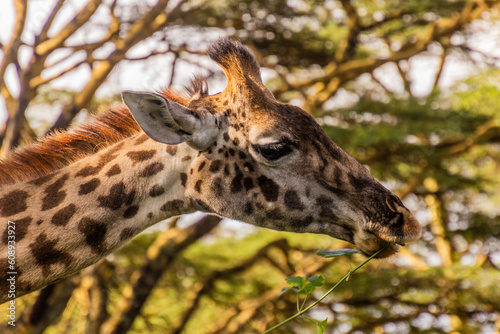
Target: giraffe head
[(271, 164)]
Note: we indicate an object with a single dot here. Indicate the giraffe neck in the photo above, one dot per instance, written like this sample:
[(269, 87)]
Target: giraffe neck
[(72, 218)]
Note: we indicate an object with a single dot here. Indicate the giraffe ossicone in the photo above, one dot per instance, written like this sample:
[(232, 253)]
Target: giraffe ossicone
[(78, 195)]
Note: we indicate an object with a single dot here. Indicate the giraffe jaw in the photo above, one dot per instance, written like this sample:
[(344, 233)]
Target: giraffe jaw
[(364, 240), (372, 237), (369, 243)]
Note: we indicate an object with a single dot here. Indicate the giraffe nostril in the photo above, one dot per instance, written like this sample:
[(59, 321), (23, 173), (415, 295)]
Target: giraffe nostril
[(394, 203)]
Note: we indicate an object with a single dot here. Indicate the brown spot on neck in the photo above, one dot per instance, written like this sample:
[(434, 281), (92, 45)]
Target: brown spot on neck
[(131, 211), (13, 203), (62, 217), (171, 149), (45, 253), (53, 193), (117, 197), (152, 169), (94, 232), (173, 206), (139, 156), (89, 187), (103, 160), (157, 190), (141, 139), (41, 180), (115, 170)]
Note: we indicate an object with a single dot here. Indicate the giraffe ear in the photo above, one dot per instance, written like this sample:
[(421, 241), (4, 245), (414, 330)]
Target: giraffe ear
[(169, 122)]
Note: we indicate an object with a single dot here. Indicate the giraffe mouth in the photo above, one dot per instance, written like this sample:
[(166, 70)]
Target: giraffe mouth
[(369, 243), (391, 250)]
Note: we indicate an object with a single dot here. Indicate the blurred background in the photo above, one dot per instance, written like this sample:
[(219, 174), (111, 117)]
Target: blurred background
[(409, 88)]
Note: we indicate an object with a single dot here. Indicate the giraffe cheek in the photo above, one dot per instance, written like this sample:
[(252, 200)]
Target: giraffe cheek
[(270, 189)]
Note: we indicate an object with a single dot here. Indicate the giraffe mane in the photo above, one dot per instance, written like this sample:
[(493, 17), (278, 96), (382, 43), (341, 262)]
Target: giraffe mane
[(62, 148)]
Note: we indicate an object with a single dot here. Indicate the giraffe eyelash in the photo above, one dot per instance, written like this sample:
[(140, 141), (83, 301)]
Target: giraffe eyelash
[(273, 151)]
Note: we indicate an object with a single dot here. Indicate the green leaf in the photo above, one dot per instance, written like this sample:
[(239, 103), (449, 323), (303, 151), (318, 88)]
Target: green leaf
[(313, 283), (287, 289), (317, 280), (336, 252), (296, 282), (308, 289), (321, 326)]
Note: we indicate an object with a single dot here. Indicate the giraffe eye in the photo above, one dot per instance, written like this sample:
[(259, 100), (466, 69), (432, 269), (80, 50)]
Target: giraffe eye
[(273, 151)]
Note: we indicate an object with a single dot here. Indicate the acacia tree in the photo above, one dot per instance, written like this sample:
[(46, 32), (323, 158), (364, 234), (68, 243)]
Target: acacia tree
[(440, 152)]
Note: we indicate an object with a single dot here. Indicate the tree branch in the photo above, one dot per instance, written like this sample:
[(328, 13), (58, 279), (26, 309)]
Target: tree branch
[(438, 221), (440, 67), (42, 36), (485, 133), (347, 46), (11, 49), (39, 81), (336, 75), (49, 45), (48, 307), (394, 15), (97, 283)]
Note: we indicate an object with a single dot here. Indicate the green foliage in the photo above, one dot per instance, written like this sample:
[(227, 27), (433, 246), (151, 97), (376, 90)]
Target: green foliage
[(336, 252), (296, 282), (301, 285)]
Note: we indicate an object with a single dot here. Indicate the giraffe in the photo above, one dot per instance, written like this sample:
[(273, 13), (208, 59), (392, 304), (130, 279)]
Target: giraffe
[(76, 196)]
